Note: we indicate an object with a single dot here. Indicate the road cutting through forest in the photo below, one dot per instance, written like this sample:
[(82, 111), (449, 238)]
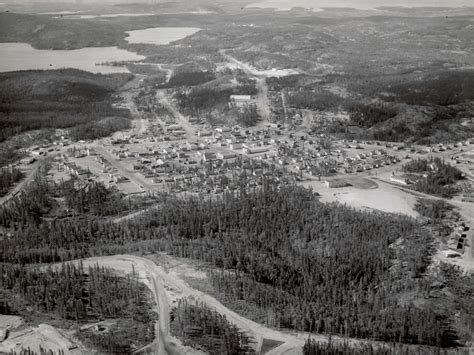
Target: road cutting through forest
[(159, 281), (155, 278)]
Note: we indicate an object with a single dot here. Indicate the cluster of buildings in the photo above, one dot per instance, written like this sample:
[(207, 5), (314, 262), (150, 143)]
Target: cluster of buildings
[(212, 173), (457, 239)]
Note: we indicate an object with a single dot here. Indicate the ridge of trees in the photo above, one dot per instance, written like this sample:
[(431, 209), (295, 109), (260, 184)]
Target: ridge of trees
[(8, 177), (65, 98), (201, 100), (73, 292), (186, 78), (203, 327), (94, 198), (82, 294), (312, 347)]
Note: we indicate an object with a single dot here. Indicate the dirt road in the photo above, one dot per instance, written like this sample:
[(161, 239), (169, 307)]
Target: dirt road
[(133, 177), (263, 106), (168, 282), (155, 277), (129, 90), (30, 175), (262, 99), (181, 120), (151, 275)]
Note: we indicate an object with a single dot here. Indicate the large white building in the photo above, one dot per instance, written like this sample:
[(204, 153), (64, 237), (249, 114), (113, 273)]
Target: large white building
[(241, 101)]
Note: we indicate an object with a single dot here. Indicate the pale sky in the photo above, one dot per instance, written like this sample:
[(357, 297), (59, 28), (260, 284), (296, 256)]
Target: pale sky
[(361, 4)]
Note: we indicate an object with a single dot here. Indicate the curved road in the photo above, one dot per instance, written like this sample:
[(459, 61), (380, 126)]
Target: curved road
[(155, 277)]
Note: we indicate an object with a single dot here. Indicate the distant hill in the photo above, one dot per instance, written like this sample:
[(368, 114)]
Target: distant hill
[(57, 99), (45, 32)]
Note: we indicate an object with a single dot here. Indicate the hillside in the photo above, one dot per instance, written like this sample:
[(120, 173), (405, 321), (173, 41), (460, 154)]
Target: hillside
[(57, 99), (45, 32)]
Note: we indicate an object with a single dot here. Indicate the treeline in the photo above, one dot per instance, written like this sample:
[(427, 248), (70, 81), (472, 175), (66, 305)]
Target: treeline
[(436, 103), (58, 33), (85, 198), (462, 287), (75, 293), (443, 88), (438, 176), (288, 81), (28, 207), (321, 100), (42, 351), (8, 155), (203, 327), (312, 347), (435, 210), (8, 177), (248, 116), (202, 100), (247, 86), (197, 100), (192, 78), (94, 198), (72, 292), (31, 100), (99, 129), (366, 116)]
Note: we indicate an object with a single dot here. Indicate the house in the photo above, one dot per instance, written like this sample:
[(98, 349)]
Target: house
[(209, 156), (224, 156), (236, 146), (204, 133), (249, 150)]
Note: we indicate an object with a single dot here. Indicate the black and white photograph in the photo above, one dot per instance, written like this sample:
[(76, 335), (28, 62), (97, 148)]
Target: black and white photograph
[(230, 177)]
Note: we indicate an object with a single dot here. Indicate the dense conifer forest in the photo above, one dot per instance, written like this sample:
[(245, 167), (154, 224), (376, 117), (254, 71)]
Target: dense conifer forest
[(202, 327), (75, 293), (93, 198), (65, 98), (31, 352), (8, 177), (314, 348), (186, 78), (201, 100), (291, 261)]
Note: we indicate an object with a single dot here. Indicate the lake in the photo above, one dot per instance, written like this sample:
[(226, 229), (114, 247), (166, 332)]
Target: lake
[(88, 17), (317, 5), (77, 16), (21, 56), (160, 35)]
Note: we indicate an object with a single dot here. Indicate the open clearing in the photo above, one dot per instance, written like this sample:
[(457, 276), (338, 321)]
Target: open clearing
[(10, 322), (369, 195), (44, 336)]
